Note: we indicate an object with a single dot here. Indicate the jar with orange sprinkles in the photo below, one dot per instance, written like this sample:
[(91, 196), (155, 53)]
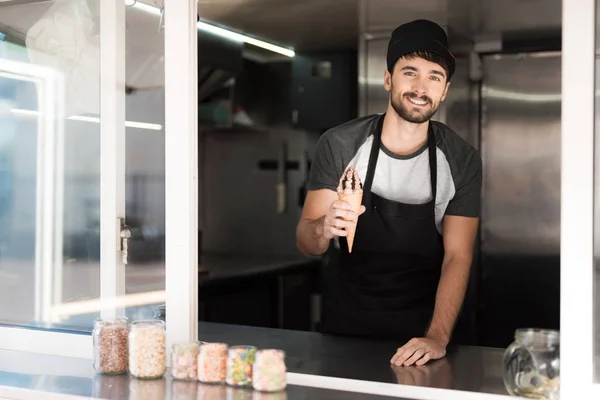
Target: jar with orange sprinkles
[(212, 363)]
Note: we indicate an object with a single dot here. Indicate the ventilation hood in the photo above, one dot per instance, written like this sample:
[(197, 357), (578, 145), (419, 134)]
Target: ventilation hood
[(219, 60)]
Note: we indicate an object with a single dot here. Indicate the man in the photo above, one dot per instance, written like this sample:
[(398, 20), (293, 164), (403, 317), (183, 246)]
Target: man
[(407, 274)]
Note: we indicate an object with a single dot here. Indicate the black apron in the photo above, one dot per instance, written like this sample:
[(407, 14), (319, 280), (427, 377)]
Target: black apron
[(386, 287)]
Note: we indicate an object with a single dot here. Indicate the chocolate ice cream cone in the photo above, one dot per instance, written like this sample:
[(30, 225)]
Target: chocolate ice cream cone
[(355, 201)]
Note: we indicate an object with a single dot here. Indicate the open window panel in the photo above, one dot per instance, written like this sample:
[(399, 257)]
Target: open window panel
[(579, 203), (83, 167)]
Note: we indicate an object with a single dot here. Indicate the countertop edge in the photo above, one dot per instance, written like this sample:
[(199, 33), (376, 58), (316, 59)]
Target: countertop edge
[(18, 393), (388, 389), (371, 388), (306, 380)]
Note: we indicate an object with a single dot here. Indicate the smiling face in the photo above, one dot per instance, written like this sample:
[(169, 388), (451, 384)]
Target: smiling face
[(417, 87)]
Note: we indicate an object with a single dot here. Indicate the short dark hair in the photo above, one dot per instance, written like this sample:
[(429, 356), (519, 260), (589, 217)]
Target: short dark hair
[(428, 56)]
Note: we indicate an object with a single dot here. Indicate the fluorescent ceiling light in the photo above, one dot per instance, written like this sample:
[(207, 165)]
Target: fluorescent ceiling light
[(225, 33), (129, 124), (242, 38)]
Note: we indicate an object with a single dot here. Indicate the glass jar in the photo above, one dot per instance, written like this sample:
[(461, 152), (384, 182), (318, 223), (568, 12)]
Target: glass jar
[(269, 371), (212, 363), (110, 338), (147, 341), (532, 364), (184, 361), (239, 365)]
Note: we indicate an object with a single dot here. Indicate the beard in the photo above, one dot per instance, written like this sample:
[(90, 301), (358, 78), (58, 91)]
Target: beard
[(413, 114)]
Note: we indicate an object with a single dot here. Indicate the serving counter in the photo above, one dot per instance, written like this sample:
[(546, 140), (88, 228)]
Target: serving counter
[(477, 369), (310, 357)]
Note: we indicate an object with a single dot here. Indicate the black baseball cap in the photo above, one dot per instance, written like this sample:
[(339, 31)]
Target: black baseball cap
[(418, 35)]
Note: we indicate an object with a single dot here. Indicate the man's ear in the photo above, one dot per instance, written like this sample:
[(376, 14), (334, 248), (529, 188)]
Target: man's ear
[(387, 80), (445, 92)]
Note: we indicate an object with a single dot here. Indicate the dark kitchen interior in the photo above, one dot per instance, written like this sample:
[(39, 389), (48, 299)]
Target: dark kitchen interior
[(260, 115), (293, 101)]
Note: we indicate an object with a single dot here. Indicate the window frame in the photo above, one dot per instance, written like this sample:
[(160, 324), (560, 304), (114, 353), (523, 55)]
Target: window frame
[(577, 200), (181, 183)]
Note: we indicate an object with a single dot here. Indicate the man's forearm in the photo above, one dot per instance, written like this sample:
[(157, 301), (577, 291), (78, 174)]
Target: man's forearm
[(449, 298), (310, 239)]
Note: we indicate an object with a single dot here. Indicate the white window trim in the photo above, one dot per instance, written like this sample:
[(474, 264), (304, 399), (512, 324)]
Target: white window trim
[(42, 341), (181, 175), (112, 155), (577, 199)]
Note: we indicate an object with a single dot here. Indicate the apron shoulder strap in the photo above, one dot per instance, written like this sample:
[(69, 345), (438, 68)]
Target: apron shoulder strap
[(374, 155), (432, 147)]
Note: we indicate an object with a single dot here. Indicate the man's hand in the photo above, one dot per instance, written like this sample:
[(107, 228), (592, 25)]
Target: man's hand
[(418, 351), (323, 218), (339, 217)]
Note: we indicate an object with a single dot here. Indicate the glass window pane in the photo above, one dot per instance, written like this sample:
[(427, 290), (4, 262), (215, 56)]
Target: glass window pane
[(49, 162), (145, 161)]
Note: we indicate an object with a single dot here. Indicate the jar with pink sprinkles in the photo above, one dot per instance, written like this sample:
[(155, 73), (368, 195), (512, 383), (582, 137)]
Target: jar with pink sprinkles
[(269, 371), (184, 358)]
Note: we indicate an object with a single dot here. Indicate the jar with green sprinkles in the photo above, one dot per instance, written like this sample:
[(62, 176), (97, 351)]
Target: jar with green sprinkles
[(239, 365)]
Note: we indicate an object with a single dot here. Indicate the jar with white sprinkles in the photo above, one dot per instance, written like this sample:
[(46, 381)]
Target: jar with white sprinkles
[(184, 361), (269, 371), (147, 349)]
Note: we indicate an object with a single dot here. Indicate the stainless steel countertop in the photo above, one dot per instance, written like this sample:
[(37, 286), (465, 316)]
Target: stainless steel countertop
[(472, 369), (475, 369)]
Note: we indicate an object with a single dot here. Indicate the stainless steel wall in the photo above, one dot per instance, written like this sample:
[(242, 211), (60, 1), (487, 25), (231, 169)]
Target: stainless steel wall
[(521, 152), (462, 103), (462, 116), (520, 226), (373, 98)]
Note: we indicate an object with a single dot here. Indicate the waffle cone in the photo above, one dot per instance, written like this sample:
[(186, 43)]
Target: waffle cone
[(355, 200)]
